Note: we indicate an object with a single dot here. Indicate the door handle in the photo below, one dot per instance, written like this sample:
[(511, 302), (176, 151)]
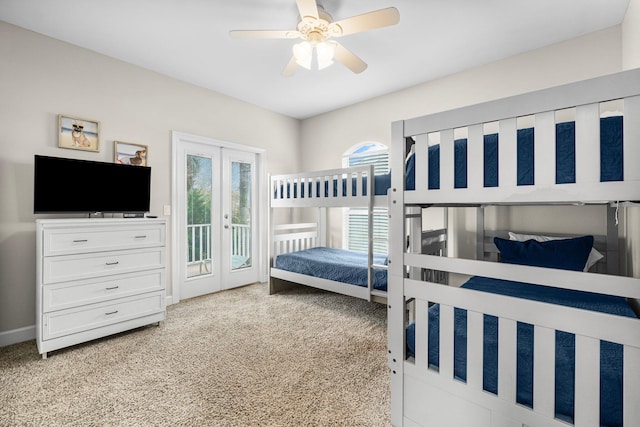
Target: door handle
[(226, 226)]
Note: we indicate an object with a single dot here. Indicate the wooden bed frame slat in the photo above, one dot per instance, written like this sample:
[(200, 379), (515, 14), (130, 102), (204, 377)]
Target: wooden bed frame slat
[(587, 399), (475, 147), (507, 356), (631, 360), (631, 138), (475, 331), (588, 150), (446, 340), (544, 344), (421, 334), (545, 148)]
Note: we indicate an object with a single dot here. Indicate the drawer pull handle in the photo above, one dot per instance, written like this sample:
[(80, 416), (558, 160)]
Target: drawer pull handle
[(80, 241), (111, 312), (141, 237), (112, 287), (112, 263)]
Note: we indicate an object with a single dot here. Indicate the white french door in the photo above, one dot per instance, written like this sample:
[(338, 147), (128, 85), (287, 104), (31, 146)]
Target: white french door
[(217, 214)]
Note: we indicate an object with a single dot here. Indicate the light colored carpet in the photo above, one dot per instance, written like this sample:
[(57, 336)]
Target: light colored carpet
[(236, 358)]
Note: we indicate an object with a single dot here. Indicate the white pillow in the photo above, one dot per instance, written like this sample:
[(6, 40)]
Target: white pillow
[(594, 255)]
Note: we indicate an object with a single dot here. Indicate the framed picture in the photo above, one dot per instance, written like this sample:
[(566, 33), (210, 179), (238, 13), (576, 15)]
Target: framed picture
[(78, 134), (127, 153)]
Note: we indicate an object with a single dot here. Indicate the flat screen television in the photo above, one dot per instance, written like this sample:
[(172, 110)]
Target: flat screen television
[(82, 186)]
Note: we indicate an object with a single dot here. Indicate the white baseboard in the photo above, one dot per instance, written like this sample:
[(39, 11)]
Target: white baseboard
[(17, 335)]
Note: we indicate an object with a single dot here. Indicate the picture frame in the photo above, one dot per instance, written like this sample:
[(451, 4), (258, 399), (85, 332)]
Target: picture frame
[(128, 153), (78, 134)]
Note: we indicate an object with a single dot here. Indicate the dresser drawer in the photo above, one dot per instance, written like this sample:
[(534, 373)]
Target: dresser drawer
[(64, 295), (79, 319), (63, 241), (85, 266)]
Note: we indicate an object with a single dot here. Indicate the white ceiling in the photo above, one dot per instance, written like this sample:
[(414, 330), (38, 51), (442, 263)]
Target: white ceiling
[(188, 40)]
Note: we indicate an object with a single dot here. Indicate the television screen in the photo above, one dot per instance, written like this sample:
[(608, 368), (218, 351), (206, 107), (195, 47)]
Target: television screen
[(83, 186)]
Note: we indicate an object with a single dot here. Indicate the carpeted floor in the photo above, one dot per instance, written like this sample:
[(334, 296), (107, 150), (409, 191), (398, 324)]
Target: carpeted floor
[(236, 358)]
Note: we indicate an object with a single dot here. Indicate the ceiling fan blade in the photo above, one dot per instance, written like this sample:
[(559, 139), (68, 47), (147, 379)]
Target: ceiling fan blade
[(291, 67), (367, 21), (264, 34), (307, 8), (349, 59)]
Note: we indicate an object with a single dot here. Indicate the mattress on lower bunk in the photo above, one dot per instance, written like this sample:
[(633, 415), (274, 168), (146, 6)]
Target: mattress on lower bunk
[(610, 353), (339, 265), (611, 157)]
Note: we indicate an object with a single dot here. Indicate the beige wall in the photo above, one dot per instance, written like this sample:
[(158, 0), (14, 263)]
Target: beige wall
[(41, 77), (631, 36)]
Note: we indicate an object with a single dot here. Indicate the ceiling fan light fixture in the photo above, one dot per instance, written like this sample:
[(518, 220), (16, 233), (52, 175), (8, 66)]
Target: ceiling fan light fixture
[(303, 52), (325, 52)]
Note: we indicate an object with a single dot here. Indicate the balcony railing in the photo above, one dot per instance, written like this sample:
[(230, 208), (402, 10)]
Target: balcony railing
[(199, 250)]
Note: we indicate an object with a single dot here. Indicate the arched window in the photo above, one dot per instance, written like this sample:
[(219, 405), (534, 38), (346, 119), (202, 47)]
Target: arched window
[(355, 219)]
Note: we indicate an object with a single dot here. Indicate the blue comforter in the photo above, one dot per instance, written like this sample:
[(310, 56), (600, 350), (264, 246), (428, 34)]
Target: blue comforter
[(610, 353), (339, 265)]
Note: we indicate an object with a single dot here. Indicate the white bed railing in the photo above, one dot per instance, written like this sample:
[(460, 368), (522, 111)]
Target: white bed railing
[(287, 238), (324, 188), (585, 97), (589, 328)]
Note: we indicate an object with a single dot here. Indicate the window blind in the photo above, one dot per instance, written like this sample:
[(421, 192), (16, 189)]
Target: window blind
[(356, 221)]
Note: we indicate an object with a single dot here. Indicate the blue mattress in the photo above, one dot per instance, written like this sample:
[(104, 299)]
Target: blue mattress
[(339, 265), (611, 157), (610, 353)]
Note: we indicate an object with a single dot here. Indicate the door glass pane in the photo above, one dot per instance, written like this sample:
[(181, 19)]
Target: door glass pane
[(240, 215), (199, 187)]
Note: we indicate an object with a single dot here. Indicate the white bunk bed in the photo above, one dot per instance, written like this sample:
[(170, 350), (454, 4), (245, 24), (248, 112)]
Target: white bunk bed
[(335, 188), (348, 187), (428, 390)]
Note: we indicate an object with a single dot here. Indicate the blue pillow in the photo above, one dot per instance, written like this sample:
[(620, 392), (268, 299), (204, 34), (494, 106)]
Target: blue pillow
[(565, 254)]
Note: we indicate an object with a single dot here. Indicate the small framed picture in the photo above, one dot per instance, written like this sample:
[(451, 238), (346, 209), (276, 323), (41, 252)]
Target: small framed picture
[(127, 153), (78, 134)]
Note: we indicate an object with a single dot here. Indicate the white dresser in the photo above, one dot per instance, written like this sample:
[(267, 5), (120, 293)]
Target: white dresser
[(97, 277)]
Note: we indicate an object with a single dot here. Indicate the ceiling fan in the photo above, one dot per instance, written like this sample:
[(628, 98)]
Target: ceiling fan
[(317, 28)]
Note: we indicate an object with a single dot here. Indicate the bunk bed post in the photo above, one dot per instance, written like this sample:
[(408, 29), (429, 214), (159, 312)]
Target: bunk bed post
[(414, 215), (480, 233), (270, 249), (370, 195), (395, 284), (322, 226)]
